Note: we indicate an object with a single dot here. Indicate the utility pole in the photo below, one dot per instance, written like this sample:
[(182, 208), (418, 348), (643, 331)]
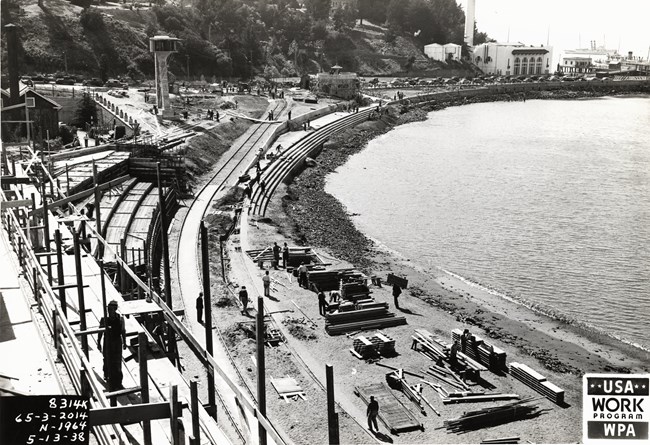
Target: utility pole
[(207, 307), (261, 368)]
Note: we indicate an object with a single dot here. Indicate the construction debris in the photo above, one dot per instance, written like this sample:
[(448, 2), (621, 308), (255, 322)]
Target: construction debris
[(397, 381), (538, 382), (476, 397), (334, 279), (288, 388), (488, 417)]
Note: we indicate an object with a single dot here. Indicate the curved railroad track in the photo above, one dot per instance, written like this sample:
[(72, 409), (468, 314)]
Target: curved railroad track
[(282, 167)]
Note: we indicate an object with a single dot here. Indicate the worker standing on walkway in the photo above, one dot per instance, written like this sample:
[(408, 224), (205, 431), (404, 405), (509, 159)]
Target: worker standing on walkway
[(114, 337), (266, 279), (199, 308), (243, 297), (372, 412)]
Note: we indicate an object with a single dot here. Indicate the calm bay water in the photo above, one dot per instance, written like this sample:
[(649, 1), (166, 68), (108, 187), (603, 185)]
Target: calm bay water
[(546, 202)]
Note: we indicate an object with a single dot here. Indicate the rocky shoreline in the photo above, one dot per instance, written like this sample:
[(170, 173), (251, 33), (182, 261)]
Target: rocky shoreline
[(319, 219)]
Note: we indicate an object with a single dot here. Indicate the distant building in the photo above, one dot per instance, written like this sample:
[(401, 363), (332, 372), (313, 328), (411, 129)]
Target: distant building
[(43, 112), (443, 53), (513, 59), (338, 84), (599, 60)]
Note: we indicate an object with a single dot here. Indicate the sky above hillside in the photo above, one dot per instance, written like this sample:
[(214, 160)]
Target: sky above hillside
[(570, 24)]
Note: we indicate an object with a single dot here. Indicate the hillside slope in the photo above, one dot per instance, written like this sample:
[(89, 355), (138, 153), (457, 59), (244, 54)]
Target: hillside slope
[(111, 40)]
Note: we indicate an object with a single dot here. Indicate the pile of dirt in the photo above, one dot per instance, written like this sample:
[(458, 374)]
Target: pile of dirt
[(299, 330), (239, 333)]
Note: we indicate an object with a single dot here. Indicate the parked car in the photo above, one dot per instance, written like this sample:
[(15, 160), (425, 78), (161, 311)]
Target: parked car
[(64, 81), (94, 82), (113, 83)]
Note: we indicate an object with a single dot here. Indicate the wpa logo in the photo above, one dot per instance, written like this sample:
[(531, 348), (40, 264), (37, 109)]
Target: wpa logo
[(615, 407)]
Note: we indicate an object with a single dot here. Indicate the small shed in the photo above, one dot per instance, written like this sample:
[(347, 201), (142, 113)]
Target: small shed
[(43, 113)]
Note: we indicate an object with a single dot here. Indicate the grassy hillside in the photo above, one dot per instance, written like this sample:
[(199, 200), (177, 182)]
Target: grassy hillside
[(111, 40)]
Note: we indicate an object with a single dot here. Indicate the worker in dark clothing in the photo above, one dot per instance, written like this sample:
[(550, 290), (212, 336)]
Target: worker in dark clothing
[(262, 185), (302, 275), (372, 412), (453, 355), (114, 337), (199, 308), (463, 340), (276, 255), (322, 303), (243, 297), (266, 280), (396, 293), (285, 255)]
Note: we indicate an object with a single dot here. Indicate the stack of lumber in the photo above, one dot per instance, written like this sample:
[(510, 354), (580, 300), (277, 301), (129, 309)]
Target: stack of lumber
[(361, 319), (424, 340), (364, 348), (470, 397), (501, 440), (483, 352), (328, 280), (297, 255), (355, 291), (488, 417), (538, 382), (385, 344)]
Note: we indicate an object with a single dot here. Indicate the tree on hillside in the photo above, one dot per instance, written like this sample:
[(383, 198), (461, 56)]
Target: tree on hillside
[(343, 18), (396, 14), (372, 10), (319, 9), (86, 112), (421, 22)]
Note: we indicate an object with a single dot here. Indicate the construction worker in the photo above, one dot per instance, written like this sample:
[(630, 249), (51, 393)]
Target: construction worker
[(453, 355), (285, 255), (302, 275), (322, 304), (114, 336), (276, 255), (372, 412), (199, 308), (396, 293), (266, 279), (463, 340), (243, 297)]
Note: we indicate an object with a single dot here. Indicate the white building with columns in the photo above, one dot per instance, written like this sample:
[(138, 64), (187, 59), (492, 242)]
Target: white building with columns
[(513, 59)]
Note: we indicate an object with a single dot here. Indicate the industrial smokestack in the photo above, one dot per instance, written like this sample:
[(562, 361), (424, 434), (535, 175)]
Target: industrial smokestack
[(12, 61), (469, 23)]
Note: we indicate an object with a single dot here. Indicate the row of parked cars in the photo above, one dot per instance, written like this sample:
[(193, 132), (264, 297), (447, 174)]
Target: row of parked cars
[(73, 80), (478, 80)]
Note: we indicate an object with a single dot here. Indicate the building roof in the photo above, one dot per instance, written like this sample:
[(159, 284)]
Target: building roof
[(529, 50), (54, 104)]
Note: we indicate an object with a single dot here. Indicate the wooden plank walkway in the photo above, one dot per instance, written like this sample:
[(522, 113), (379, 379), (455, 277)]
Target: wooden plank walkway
[(397, 417)]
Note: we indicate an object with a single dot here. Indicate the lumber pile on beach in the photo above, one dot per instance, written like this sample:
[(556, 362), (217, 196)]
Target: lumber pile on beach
[(488, 417), (355, 291), (501, 440), (297, 255), (537, 382), (368, 348), (329, 280), (477, 349), (361, 319)]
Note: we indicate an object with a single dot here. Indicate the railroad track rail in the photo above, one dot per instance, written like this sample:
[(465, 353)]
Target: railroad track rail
[(219, 179), (280, 169)]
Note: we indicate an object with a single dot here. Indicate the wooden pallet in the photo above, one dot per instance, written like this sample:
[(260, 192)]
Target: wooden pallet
[(392, 413), (537, 382)]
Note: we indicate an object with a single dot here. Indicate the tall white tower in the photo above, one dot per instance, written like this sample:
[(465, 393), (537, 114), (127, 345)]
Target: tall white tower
[(162, 47), (469, 23)]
